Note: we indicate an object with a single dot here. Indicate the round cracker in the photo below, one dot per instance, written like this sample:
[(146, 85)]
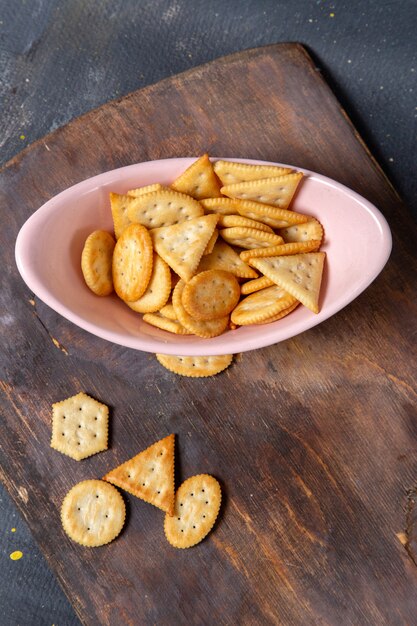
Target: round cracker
[(164, 323), (261, 305), (211, 295), (158, 289), (93, 513), (280, 315), (195, 366), (197, 505), (204, 329), (96, 262), (132, 262), (231, 221)]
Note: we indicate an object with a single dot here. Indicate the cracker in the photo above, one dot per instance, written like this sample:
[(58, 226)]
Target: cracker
[(149, 475), (198, 180), (260, 305), (140, 191), (277, 191), (204, 329), (182, 245), (223, 257), (229, 221), (96, 262), (165, 323), (168, 311), (197, 505), (222, 206), (163, 208), (158, 289), (311, 230), (250, 237), (119, 204), (212, 241), (195, 366), (232, 172), (80, 426), (282, 249), (93, 513), (256, 285), (279, 315), (211, 295), (299, 274), (132, 263), (271, 215)]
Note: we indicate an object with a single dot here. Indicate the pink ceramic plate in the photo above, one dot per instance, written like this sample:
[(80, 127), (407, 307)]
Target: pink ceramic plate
[(49, 245)]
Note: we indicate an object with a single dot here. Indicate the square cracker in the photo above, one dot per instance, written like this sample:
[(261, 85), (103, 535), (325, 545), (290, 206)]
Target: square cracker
[(79, 426), (149, 475), (299, 274)]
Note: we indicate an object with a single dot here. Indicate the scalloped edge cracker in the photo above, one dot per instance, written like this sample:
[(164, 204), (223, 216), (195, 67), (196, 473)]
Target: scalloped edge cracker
[(278, 191), (310, 230), (203, 329), (250, 237), (140, 191), (283, 249), (197, 506), (159, 320), (183, 245), (93, 513), (80, 426), (223, 257), (299, 274), (231, 172), (149, 475), (260, 305), (163, 208), (195, 366), (132, 263), (96, 262), (158, 289), (271, 215), (119, 204), (198, 180)]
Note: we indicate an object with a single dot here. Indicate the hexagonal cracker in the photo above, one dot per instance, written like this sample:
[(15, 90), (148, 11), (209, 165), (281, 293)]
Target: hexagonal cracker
[(79, 426)]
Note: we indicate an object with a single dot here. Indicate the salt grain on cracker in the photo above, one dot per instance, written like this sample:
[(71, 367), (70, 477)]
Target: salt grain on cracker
[(79, 426)]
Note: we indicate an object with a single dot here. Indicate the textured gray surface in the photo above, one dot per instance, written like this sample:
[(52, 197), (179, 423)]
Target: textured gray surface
[(61, 58)]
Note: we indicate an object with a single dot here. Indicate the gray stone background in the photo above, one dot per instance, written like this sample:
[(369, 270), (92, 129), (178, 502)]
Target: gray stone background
[(61, 58)]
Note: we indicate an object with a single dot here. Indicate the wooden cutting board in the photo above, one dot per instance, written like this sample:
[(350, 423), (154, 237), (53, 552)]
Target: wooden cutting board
[(313, 440)]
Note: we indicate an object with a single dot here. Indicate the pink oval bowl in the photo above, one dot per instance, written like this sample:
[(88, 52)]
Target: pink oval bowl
[(48, 252)]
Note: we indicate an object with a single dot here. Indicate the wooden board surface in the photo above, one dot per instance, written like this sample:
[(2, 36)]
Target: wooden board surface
[(313, 440)]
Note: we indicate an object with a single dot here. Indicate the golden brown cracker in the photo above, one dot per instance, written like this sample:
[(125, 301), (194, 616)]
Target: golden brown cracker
[(211, 242), (281, 249), (140, 191), (79, 426), (132, 262), (197, 505), (163, 208), (229, 221), (96, 262), (165, 323), (93, 513), (149, 475), (119, 204), (198, 180), (221, 206), (271, 215), (311, 230), (299, 274), (182, 245), (223, 257), (280, 315), (211, 295), (158, 289), (277, 191), (204, 329), (195, 366), (260, 305), (231, 172), (249, 237), (255, 285)]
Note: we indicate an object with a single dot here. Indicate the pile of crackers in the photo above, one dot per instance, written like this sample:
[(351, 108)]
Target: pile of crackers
[(218, 249)]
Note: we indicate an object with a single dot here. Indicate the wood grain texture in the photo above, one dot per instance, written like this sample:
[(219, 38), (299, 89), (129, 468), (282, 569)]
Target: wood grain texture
[(313, 440)]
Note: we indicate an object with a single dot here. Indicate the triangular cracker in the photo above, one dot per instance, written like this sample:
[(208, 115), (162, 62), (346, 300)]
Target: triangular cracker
[(277, 191), (183, 245), (149, 475), (199, 180), (162, 208), (231, 172), (299, 274), (224, 257)]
